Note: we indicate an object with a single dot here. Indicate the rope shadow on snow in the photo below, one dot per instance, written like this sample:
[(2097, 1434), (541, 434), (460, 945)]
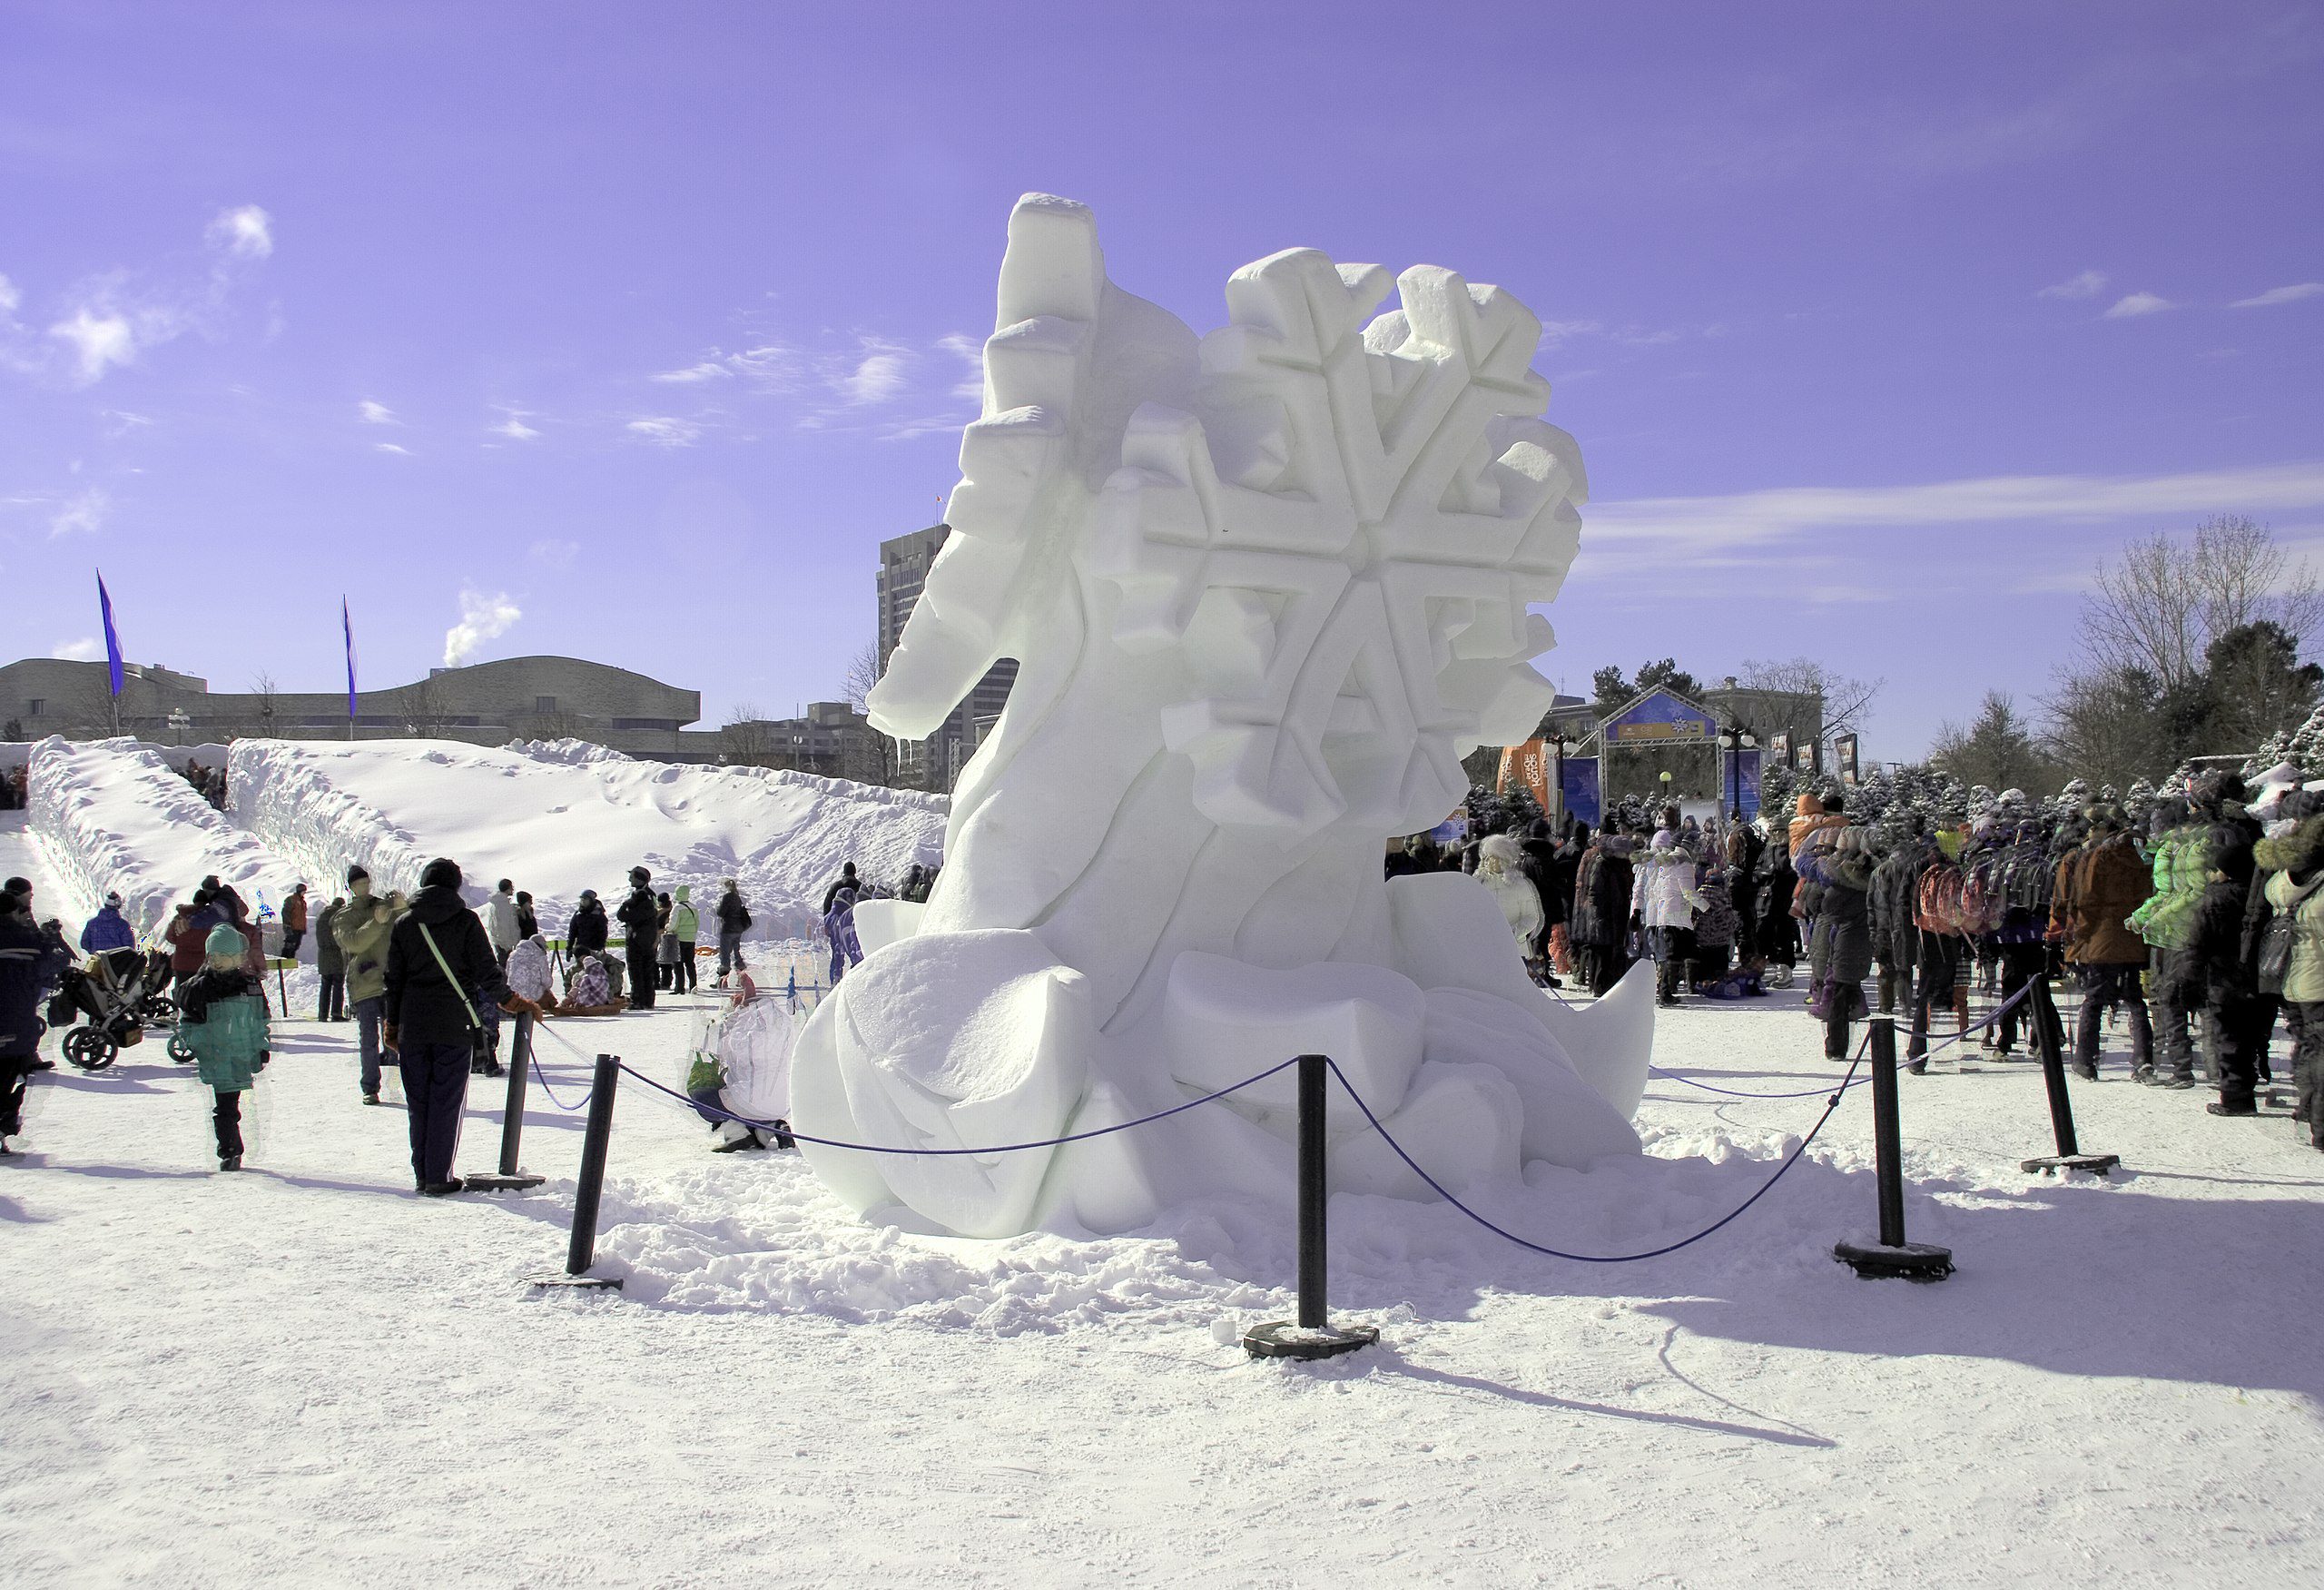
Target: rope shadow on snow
[(1385, 1361)]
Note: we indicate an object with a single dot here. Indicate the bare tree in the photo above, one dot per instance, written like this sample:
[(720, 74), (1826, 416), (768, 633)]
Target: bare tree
[(2158, 610), (745, 738), (263, 692), (867, 755), (1847, 701), (426, 711)]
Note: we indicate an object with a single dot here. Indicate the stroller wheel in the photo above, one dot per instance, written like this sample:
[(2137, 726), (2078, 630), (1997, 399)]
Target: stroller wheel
[(179, 1052), (88, 1049), (158, 1012)]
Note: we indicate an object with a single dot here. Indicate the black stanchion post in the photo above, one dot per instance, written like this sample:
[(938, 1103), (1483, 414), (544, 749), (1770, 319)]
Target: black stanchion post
[(582, 1250), (509, 1178), (2049, 1035), (1313, 1336), (1891, 1255)]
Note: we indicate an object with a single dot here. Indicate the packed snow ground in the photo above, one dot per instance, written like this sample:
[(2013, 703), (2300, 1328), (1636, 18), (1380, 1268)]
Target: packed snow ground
[(306, 1374)]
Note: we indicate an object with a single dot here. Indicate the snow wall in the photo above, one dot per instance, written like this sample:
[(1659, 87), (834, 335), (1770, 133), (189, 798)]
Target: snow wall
[(559, 817), (111, 815)]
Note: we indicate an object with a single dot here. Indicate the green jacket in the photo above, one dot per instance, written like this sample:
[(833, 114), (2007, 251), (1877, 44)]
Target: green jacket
[(685, 921), (361, 928), (229, 1041), (2167, 920)]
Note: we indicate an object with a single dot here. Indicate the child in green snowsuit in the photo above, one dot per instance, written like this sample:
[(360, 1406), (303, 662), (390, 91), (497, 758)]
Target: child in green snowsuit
[(224, 1022)]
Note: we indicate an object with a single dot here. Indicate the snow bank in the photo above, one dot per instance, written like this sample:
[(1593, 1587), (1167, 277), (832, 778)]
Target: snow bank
[(111, 815), (559, 817)]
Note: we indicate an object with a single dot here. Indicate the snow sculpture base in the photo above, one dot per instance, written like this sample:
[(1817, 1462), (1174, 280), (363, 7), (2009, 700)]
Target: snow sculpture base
[(1265, 590)]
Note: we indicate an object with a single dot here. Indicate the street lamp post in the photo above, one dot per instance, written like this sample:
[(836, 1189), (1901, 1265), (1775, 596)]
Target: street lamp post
[(1557, 778)]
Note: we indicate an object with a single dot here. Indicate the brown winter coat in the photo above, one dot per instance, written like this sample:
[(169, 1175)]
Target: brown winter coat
[(2107, 880)]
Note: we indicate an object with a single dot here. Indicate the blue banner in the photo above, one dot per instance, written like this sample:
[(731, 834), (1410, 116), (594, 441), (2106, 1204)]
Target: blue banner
[(347, 627), (1578, 789), (112, 641), (1743, 782)]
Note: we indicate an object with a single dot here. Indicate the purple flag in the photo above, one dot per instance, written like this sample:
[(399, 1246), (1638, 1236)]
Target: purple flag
[(346, 625), (112, 641)]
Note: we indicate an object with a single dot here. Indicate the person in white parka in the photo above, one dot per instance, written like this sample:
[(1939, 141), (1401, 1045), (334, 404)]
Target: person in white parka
[(1664, 899), (740, 1066), (1501, 868)]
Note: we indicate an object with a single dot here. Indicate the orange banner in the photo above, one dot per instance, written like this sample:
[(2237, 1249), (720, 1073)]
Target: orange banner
[(1528, 764)]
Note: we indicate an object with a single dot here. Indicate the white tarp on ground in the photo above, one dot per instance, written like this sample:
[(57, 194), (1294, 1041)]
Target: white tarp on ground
[(558, 821)]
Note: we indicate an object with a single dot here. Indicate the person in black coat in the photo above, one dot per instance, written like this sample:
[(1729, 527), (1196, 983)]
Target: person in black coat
[(846, 881), (431, 1020), (28, 963), (528, 923), (585, 934), (641, 919)]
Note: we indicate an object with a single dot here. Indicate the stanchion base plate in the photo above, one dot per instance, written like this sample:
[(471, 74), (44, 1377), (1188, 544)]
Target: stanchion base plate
[(1912, 1261), (611, 1283), (1280, 1338), (2050, 1164), (493, 1182)]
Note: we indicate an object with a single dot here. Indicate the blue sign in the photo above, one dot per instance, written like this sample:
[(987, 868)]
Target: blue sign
[(1661, 718), (1743, 782), (1578, 790)]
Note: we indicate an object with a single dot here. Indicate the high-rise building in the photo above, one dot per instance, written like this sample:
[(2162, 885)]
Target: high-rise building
[(936, 761)]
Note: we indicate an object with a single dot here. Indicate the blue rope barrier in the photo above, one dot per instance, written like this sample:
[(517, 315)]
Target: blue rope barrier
[(542, 1077), (692, 1103), (1446, 1193)]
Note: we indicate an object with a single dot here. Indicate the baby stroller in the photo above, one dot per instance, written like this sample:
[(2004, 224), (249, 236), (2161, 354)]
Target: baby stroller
[(113, 993)]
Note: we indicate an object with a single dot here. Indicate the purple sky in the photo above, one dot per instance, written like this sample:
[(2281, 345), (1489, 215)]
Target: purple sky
[(1876, 324)]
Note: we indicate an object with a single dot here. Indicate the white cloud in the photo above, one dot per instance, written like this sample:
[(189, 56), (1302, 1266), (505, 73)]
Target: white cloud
[(2088, 284), (87, 649), (513, 427), (389, 447), (971, 350), (372, 413), (2268, 300), (554, 554), (709, 370), (2131, 305), (247, 232), (877, 377), (98, 342), (482, 618), (82, 514), (1697, 525), (119, 422), (663, 431), (9, 297)]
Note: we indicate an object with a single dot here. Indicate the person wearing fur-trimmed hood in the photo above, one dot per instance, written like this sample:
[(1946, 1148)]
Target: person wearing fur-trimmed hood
[(222, 1020)]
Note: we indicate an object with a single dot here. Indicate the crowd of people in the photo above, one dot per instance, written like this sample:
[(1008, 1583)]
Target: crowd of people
[(428, 981), (14, 788), (2201, 921)]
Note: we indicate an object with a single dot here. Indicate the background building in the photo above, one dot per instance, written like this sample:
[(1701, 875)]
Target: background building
[(936, 762), (484, 703)]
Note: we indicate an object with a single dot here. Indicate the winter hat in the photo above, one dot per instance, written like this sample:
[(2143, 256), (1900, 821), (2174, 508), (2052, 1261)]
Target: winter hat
[(726, 882), (686, 892), (114, 898), (588, 893), (1665, 840), (443, 873), (356, 874), (640, 876), (224, 947)]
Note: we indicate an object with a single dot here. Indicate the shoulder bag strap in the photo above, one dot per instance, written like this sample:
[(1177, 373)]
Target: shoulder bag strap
[(467, 1009)]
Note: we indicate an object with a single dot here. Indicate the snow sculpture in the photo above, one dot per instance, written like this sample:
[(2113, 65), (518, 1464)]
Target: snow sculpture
[(1265, 590)]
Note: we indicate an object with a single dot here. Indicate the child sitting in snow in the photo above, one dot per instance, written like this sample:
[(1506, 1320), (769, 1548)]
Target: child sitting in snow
[(592, 993), (223, 1019)]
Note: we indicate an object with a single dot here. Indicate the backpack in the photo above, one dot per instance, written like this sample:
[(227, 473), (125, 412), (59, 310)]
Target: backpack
[(1936, 906), (1984, 898)]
